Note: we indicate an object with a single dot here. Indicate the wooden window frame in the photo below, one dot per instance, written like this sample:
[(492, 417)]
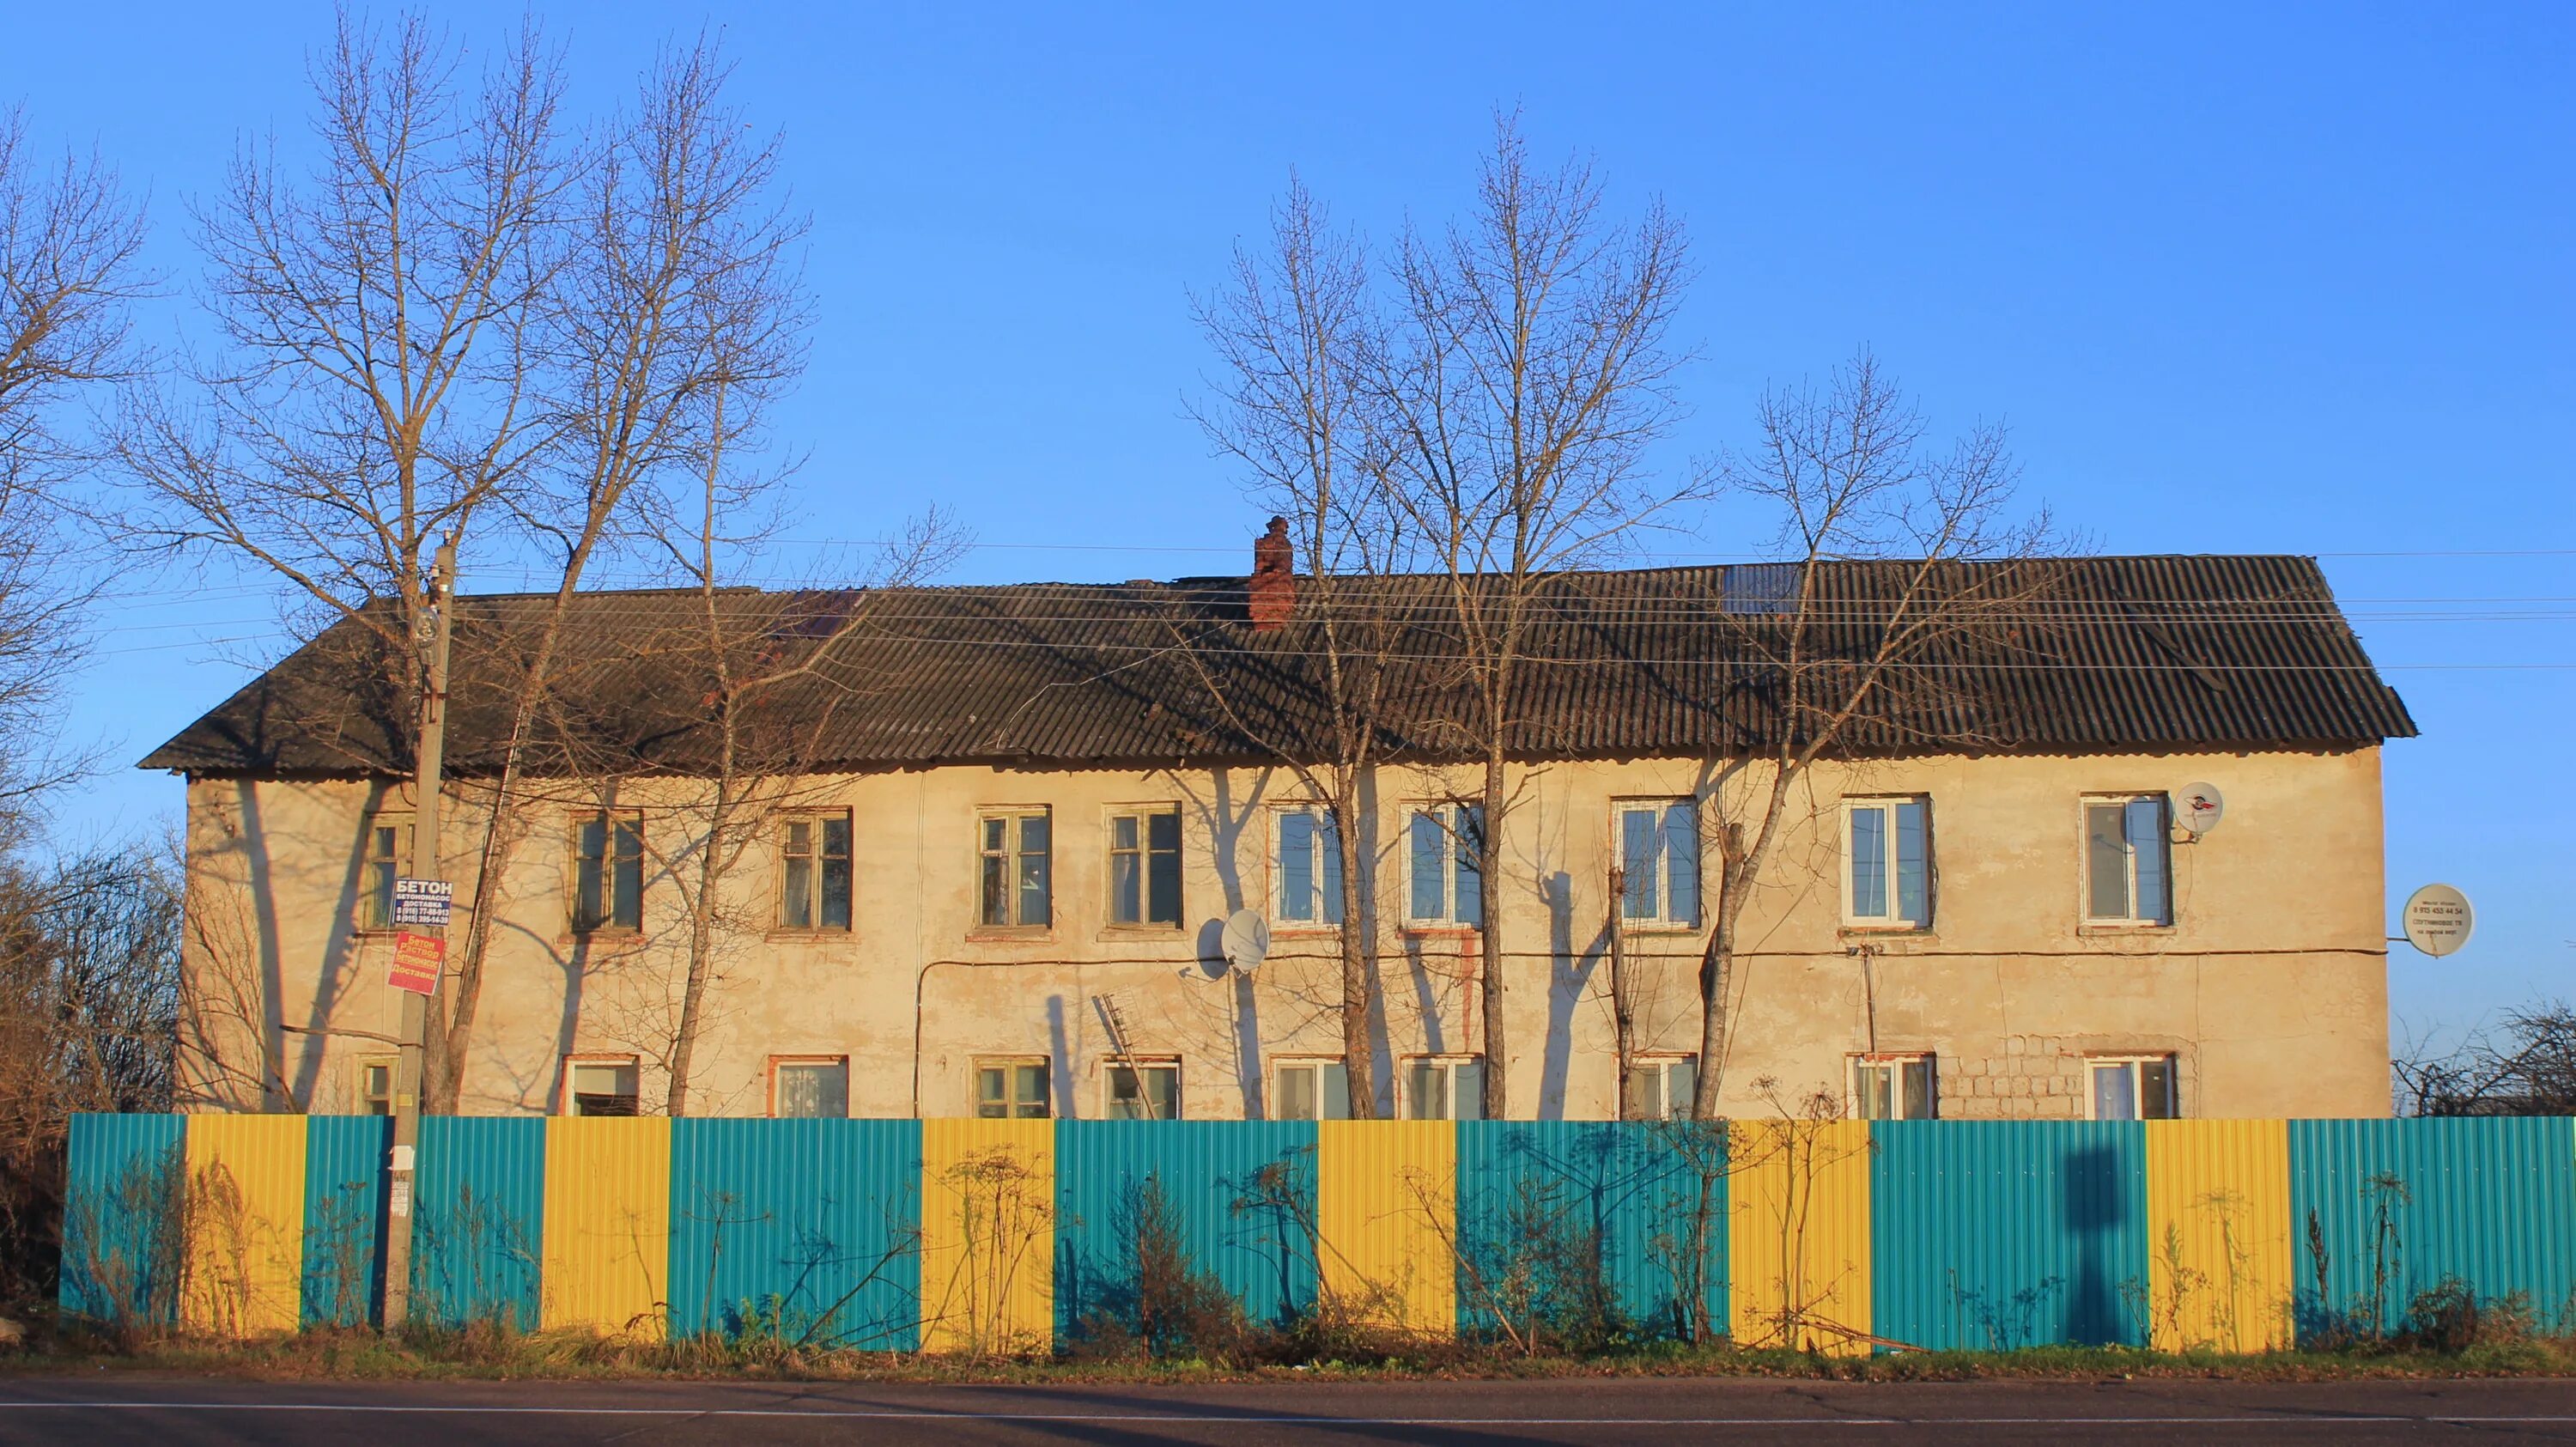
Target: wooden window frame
[(818, 865), (1662, 1062), (360, 1100), (1330, 912), (1111, 1065), (564, 1094), (1893, 1060), (975, 1085), (611, 819), (1663, 920), (401, 822), (1144, 854), (1449, 1061), (1280, 1065), (776, 1062), (1014, 850), (1445, 815)]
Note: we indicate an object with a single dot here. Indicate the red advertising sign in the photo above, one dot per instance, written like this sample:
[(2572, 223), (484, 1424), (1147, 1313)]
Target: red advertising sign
[(417, 962)]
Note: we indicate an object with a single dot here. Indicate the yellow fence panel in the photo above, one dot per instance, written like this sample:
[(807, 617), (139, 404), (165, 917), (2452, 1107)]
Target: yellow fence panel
[(607, 1236), (2220, 1263), (1386, 1219), (987, 1235), (245, 1224), (1798, 1250)]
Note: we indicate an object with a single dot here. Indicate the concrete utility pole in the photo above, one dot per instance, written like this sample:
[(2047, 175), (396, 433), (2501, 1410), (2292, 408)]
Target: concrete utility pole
[(417, 1013)]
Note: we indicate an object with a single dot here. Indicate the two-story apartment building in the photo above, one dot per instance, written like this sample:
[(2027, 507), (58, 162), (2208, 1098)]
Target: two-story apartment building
[(992, 877)]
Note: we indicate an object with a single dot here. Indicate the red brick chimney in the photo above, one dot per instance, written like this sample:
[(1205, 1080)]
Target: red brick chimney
[(1273, 585)]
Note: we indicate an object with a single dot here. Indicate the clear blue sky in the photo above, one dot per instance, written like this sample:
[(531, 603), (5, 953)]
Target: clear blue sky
[(2241, 278)]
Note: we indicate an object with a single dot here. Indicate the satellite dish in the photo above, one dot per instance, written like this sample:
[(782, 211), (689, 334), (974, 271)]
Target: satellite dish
[(2438, 919), (2198, 807), (1247, 940)]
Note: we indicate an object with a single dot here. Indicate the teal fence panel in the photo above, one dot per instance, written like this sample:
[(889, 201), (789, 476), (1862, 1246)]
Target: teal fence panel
[(121, 1248), (1240, 1193), (1596, 1218), (344, 1217), (806, 1228), (2488, 1202), (480, 1188), (2001, 1234)]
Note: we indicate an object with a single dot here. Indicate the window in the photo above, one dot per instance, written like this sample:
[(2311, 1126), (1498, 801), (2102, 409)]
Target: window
[(1444, 886), (375, 1082), (814, 871), (1019, 887), (1659, 859), (600, 1087), (1661, 1087), (810, 1089), (1309, 876), (2134, 1087), (1013, 1089), (1895, 1087), (608, 871), (1310, 1090), (388, 854), (1889, 843), (1143, 1090), (1444, 1089), (1145, 867), (2127, 861)]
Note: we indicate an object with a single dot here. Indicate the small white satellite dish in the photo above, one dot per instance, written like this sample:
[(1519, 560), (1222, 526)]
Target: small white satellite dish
[(2198, 807), (2438, 919), (1247, 940)]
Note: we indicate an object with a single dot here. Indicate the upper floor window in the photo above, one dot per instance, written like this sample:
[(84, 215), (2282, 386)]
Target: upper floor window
[(1307, 885), (810, 1088), (1659, 862), (2133, 1087), (1444, 1088), (1310, 1090), (1143, 1090), (1012, 1088), (1019, 886), (2128, 861), (608, 871), (388, 854), (1889, 845), (1662, 1087), (1444, 886), (1894, 1087), (814, 870), (1145, 866)]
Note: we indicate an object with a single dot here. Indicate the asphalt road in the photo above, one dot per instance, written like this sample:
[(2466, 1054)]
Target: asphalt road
[(173, 1413)]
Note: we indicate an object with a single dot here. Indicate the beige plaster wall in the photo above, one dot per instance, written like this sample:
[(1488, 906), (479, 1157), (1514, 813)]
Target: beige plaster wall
[(2269, 987)]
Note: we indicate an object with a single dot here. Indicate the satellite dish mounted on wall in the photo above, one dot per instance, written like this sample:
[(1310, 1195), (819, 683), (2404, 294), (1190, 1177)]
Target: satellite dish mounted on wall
[(1247, 940), (2198, 807), (2438, 920)]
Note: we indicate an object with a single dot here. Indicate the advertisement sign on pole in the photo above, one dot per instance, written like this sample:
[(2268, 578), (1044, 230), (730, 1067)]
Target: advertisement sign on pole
[(423, 902), (417, 962)]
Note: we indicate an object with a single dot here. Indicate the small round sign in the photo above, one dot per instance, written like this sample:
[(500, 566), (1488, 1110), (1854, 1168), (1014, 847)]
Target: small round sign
[(2198, 807), (2438, 919)]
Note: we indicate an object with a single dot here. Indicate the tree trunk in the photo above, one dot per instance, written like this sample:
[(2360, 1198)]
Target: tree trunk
[(1623, 1005), (1359, 962), (693, 994), (1489, 872), (1716, 978)]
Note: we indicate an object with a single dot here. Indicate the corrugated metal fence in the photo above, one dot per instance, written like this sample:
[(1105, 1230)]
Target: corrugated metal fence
[(1836, 1236)]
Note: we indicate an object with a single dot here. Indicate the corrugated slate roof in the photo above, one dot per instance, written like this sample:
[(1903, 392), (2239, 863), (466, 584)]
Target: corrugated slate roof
[(2068, 655)]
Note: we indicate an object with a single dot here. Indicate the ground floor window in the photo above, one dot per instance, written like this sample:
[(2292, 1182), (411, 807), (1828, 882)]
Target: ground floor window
[(1142, 1090), (375, 1086), (598, 1086), (1310, 1090), (2133, 1087), (810, 1087), (1660, 1087), (1444, 1087), (1012, 1088), (1895, 1087)]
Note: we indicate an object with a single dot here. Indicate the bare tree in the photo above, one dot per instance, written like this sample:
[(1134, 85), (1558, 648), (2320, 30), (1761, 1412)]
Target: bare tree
[(1299, 405), (2524, 1066), (1531, 377), (1866, 624)]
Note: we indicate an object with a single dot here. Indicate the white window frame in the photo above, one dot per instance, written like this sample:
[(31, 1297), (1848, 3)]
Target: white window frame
[(1138, 1065), (2136, 1065), (1014, 854), (1471, 1099), (1660, 1068), (1010, 1065), (376, 874), (1329, 910), (818, 862), (779, 1063), (1324, 1068), (1455, 865), (568, 1101), (1144, 854), (1891, 866), (2164, 846), (1662, 916), (1894, 1062)]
